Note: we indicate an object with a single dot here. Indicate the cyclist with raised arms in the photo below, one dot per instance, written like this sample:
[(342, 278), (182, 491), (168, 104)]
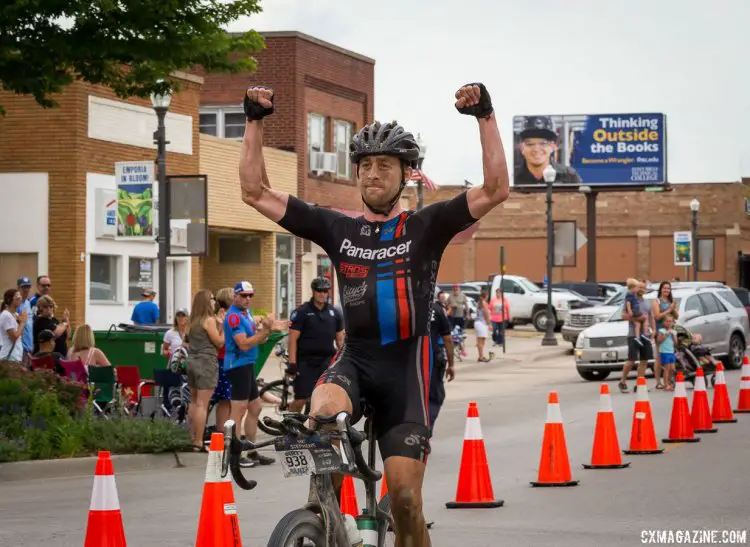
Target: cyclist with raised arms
[(386, 261)]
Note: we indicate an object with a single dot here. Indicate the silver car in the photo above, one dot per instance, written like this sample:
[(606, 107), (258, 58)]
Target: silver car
[(708, 311), (580, 319)]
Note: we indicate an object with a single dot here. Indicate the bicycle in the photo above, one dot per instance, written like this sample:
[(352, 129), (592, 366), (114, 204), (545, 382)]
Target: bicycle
[(283, 389), (311, 452)]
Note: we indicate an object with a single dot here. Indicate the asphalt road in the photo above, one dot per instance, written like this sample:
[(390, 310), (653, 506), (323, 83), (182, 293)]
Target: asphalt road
[(700, 486)]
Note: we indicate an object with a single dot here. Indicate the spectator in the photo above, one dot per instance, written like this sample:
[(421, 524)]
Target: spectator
[(243, 337), (442, 367), (173, 337), (481, 325), (500, 316), (84, 349), (661, 307), (146, 312), (458, 308), (24, 287), (223, 391), (638, 352), (46, 320), (43, 287), (205, 336), (12, 325), (47, 342)]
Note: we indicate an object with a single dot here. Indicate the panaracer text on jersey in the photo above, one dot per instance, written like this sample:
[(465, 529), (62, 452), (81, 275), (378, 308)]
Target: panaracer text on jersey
[(373, 254)]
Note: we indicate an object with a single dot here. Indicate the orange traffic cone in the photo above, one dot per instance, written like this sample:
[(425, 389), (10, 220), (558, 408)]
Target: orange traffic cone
[(383, 488), (606, 451), (474, 490), (721, 412), (349, 498), (218, 525), (743, 404), (554, 464), (642, 434), (681, 426), (104, 528), (701, 412)]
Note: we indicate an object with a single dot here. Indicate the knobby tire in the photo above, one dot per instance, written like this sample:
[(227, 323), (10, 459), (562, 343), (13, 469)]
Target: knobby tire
[(298, 525)]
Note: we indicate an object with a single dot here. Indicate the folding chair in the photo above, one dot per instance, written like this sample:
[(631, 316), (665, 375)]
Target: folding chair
[(45, 362), (103, 384), (75, 370), (129, 377)]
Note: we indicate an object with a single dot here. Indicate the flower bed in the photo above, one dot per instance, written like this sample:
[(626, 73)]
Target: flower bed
[(44, 416)]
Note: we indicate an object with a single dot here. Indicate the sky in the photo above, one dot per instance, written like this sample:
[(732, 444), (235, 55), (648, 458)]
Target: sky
[(687, 59)]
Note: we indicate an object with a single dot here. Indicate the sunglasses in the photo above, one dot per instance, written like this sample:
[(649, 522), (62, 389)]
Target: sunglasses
[(245, 295)]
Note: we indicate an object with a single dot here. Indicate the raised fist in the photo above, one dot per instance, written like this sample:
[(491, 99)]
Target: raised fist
[(258, 103), (474, 100)]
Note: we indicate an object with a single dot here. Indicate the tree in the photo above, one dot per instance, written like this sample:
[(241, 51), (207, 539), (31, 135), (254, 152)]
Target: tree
[(131, 46)]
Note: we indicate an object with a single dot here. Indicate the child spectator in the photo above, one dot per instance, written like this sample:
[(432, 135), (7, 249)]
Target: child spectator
[(667, 339), (633, 308), (46, 341)]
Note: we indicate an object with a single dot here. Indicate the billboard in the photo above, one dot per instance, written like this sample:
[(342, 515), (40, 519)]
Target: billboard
[(597, 150)]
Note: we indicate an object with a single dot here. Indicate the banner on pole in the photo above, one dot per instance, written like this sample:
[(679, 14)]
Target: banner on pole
[(683, 249), (134, 181)]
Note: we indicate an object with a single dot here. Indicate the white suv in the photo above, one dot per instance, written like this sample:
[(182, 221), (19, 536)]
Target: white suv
[(528, 301)]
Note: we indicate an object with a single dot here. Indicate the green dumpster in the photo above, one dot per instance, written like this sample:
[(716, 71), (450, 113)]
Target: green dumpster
[(129, 345)]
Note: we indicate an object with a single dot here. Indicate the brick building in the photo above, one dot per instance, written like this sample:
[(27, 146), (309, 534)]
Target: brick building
[(634, 235), (323, 95), (57, 172)]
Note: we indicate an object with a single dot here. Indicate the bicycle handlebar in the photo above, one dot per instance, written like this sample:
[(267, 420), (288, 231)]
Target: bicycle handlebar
[(293, 424)]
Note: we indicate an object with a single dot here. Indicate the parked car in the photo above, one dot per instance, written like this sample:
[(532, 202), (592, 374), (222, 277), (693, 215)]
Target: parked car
[(582, 318), (528, 302), (743, 295), (594, 292), (602, 348)]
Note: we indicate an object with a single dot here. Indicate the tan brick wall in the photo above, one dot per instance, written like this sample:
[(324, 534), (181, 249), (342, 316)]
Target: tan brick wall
[(219, 160), (519, 225), (33, 139), (262, 276)]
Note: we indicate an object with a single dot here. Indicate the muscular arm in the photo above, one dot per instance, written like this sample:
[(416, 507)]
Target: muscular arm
[(496, 186), (339, 340), (254, 182), (245, 342)]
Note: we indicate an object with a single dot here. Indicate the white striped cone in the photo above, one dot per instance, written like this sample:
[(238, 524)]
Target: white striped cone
[(105, 520), (721, 410), (743, 403)]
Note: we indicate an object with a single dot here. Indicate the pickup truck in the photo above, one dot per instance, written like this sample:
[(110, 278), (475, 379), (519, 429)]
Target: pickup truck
[(528, 301)]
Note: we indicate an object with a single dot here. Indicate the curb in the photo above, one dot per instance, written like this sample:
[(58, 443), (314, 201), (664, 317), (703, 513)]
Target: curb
[(76, 467)]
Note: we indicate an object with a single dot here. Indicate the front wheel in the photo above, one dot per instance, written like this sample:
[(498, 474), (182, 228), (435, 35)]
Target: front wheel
[(540, 320), (296, 527)]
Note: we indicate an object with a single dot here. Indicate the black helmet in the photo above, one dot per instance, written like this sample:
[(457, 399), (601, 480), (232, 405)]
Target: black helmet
[(538, 127), (388, 139), (320, 284)]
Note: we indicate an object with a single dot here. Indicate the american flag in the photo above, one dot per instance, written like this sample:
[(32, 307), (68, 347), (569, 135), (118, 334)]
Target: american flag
[(418, 175)]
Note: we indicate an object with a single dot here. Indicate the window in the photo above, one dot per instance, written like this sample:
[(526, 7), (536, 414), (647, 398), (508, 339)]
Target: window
[(342, 136), (316, 135), (228, 123), (140, 277), (694, 303), (239, 249), (284, 246), (103, 278), (705, 255), (208, 124), (732, 297)]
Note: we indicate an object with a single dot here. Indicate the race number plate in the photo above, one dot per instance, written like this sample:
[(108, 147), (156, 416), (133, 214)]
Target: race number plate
[(302, 457), (609, 355)]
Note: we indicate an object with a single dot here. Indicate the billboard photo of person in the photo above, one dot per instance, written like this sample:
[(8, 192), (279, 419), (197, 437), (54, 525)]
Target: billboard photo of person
[(538, 145)]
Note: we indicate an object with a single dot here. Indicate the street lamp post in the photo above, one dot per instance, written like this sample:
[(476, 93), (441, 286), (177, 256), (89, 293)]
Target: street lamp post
[(160, 102), (695, 206), (420, 182), (549, 335)]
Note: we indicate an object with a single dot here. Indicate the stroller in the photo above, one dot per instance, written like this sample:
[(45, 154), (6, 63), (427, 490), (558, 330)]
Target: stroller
[(691, 354), (459, 338)]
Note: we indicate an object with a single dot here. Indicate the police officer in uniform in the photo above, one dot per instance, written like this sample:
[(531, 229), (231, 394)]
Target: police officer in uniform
[(316, 325), (442, 358), (538, 143)]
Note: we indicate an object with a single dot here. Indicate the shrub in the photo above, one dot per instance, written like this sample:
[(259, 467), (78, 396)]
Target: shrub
[(45, 416)]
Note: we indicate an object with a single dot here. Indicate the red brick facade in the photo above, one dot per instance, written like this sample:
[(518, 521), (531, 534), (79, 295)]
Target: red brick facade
[(308, 76)]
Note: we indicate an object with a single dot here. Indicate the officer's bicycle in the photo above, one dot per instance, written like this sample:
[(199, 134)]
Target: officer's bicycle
[(311, 452), (283, 389)]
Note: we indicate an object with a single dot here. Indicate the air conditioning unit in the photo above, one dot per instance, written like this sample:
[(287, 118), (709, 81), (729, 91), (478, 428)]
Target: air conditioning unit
[(323, 162)]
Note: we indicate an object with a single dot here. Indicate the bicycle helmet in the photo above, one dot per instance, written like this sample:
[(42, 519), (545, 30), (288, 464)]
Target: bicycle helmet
[(320, 284), (387, 139)]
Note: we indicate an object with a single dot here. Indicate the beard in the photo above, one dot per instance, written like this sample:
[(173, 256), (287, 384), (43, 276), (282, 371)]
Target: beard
[(378, 196)]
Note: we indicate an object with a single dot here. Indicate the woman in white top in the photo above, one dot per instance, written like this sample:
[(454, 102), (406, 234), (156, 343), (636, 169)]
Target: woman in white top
[(11, 326), (173, 337), (481, 325), (84, 349)]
